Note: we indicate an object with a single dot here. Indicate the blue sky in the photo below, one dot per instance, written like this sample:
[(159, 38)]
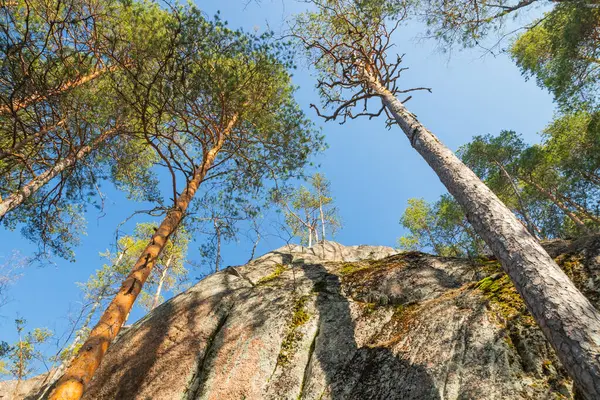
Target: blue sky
[(373, 171)]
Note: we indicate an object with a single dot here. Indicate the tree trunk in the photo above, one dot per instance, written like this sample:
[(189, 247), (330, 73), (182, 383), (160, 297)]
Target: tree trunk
[(580, 208), (16, 199), (156, 299), (436, 247), (255, 242), (568, 320), (97, 302), (530, 225), (37, 97), (50, 377), (20, 368), (595, 179), (218, 255), (554, 199), (81, 370), (322, 215)]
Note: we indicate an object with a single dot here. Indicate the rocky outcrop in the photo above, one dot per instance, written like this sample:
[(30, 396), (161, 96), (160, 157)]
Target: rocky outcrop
[(336, 322)]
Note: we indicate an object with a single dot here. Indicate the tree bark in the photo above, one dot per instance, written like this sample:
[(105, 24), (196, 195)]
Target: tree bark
[(322, 215), (14, 200), (97, 302), (20, 368), (50, 377), (81, 370), (568, 320), (156, 299), (255, 242)]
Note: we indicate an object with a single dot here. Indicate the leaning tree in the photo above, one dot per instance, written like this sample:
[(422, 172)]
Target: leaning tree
[(63, 127), (349, 42), (228, 116)]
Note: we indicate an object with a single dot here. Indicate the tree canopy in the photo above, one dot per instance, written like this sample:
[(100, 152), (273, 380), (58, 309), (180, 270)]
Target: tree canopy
[(199, 127)]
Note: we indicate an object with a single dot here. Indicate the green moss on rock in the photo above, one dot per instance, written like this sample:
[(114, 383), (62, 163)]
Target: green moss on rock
[(505, 299), (279, 269), (351, 268), (299, 317)]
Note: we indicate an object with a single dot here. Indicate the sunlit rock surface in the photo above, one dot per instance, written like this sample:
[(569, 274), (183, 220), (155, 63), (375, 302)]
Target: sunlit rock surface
[(336, 322)]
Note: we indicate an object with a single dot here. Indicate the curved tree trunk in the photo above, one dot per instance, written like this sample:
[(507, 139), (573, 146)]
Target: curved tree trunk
[(81, 370), (569, 321), (56, 372), (14, 200)]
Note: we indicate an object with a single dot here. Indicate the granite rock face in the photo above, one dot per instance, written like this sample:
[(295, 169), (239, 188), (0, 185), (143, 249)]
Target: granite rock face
[(336, 322)]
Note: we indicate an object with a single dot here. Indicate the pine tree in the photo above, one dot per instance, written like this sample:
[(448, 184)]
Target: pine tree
[(349, 44)]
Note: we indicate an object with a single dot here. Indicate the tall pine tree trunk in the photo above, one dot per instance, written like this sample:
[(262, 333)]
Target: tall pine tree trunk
[(81, 370), (14, 200), (568, 320), (56, 372)]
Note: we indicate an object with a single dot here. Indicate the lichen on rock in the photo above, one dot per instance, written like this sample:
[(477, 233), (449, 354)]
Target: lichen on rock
[(356, 322)]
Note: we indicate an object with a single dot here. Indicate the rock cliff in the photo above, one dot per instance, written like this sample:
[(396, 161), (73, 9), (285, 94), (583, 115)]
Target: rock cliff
[(336, 322)]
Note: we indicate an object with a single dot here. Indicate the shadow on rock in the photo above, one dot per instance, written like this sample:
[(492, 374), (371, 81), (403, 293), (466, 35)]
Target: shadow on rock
[(357, 373), (145, 355)]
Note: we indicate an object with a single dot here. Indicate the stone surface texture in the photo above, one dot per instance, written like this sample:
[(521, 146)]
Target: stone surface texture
[(337, 322)]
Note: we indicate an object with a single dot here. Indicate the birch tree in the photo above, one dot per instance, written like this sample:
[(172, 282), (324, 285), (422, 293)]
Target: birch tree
[(328, 213), (305, 208), (349, 44), (300, 208)]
